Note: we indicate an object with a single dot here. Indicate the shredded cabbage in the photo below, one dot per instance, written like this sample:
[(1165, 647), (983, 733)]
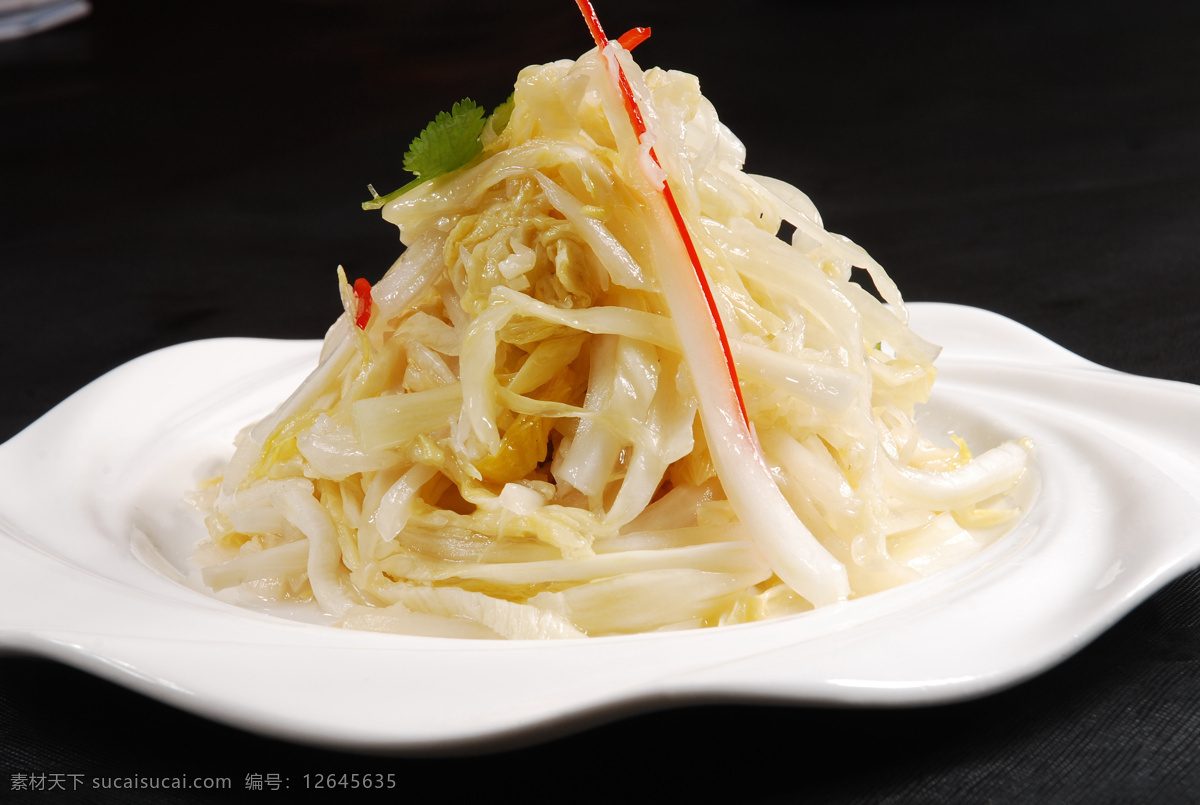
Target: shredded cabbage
[(529, 435)]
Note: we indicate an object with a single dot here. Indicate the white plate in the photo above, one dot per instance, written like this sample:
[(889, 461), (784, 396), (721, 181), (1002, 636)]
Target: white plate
[(94, 542)]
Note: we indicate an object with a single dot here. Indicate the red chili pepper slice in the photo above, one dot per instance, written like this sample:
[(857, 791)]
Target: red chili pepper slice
[(633, 37), (639, 128), (362, 292)]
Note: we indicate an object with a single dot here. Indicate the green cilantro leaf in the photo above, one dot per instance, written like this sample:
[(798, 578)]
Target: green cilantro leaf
[(501, 114), (448, 143)]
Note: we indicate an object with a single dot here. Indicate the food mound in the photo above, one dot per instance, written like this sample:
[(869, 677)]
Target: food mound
[(543, 421)]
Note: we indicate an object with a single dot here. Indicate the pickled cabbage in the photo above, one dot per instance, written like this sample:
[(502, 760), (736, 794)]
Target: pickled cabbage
[(528, 440)]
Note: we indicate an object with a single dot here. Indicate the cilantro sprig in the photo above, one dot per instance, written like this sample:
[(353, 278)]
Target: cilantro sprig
[(449, 142)]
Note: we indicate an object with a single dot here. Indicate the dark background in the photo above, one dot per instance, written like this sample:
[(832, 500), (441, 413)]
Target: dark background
[(175, 171)]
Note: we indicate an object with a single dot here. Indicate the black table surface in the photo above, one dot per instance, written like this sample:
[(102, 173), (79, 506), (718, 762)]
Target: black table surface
[(183, 170)]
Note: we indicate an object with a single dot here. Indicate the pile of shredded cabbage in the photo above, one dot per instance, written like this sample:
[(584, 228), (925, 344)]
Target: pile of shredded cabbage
[(515, 445)]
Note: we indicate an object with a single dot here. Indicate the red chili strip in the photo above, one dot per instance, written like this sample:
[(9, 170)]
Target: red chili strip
[(593, 22), (633, 37), (362, 292), (639, 128)]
